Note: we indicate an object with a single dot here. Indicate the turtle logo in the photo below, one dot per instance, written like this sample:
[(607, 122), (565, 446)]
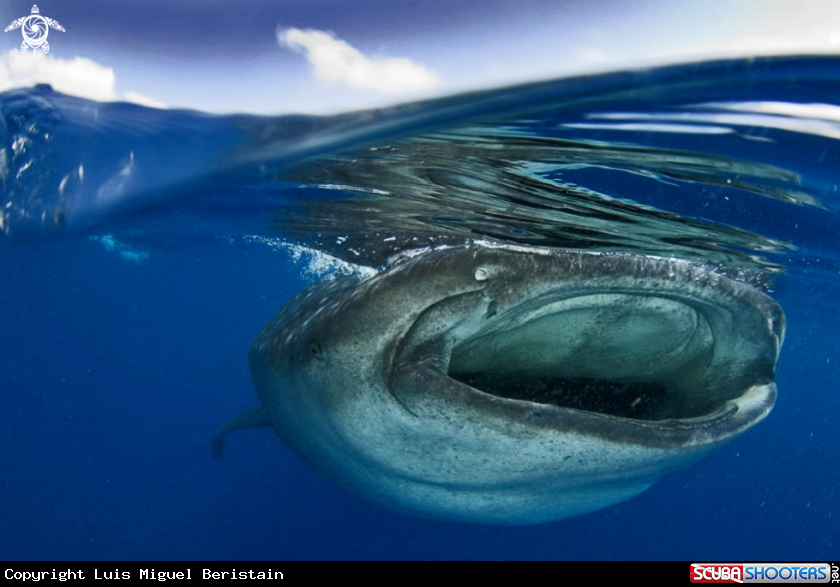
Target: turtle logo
[(35, 29)]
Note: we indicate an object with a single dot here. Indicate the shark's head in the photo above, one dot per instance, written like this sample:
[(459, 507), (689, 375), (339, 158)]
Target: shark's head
[(512, 386)]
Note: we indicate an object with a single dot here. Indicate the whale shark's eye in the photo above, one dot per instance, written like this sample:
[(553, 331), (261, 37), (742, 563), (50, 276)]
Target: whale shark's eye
[(315, 348)]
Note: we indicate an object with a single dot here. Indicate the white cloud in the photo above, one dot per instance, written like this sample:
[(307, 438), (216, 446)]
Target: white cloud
[(336, 61), (77, 77), (143, 100)]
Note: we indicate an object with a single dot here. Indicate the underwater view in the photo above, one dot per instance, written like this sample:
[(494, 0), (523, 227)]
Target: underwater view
[(144, 250)]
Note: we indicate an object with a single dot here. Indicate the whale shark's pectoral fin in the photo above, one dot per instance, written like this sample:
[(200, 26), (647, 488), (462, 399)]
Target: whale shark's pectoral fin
[(256, 418)]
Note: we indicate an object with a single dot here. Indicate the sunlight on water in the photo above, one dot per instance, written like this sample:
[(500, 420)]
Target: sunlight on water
[(112, 245), (312, 263)]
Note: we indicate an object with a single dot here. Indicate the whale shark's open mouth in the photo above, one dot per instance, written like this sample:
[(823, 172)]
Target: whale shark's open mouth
[(625, 355), (676, 358)]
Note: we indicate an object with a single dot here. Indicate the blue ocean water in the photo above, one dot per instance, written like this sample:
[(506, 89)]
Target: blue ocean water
[(144, 250)]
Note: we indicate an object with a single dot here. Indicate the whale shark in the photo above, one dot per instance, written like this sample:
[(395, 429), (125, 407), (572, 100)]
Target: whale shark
[(510, 385)]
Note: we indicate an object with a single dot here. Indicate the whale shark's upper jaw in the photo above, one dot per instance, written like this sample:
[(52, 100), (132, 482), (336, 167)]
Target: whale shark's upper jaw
[(669, 357)]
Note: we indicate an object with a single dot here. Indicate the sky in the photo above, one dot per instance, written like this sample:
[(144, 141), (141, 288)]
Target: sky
[(325, 56)]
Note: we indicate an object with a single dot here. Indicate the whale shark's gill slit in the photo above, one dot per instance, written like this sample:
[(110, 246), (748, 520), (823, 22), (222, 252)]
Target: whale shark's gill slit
[(637, 400)]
